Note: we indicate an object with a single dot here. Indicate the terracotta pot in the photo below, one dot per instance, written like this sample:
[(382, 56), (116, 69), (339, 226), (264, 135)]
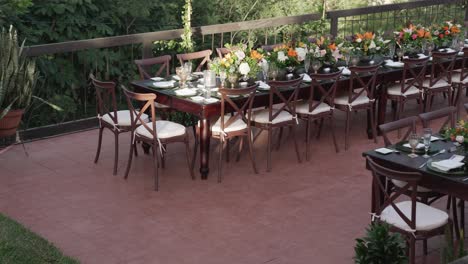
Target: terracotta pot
[(10, 122)]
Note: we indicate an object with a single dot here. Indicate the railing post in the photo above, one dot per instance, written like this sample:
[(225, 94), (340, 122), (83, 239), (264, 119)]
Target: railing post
[(466, 17), (334, 26), (147, 49)]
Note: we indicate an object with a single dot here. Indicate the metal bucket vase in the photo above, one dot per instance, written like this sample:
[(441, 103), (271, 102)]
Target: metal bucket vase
[(10, 123)]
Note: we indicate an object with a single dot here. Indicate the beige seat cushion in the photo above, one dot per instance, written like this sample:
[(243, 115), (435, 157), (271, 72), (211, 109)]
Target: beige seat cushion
[(303, 108), (402, 184), (396, 90), (427, 217), (237, 125), (262, 116), (344, 99), (123, 118), (438, 84), (456, 78), (165, 129)]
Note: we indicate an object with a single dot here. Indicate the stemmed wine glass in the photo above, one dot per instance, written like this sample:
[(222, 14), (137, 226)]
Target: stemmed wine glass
[(307, 64), (265, 68), (273, 71), (427, 134), (354, 60), (391, 50), (316, 64), (430, 47), (413, 141), (400, 54), (222, 77), (182, 73)]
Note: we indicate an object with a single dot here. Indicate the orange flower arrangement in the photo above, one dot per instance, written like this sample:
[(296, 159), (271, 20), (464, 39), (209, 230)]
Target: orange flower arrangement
[(256, 55), (445, 33), (292, 52)]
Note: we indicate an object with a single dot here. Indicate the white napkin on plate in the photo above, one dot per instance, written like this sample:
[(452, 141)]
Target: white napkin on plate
[(210, 100), (384, 151), (197, 98), (448, 164), (167, 84), (419, 146), (392, 63), (186, 92), (157, 79), (306, 77), (262, 85), (177, 78), (461, 53), (422, 56), (345, 71), (449, 50)]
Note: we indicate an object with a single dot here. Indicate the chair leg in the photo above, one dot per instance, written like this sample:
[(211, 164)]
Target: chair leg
[(135, 149), (332, 130), (412, 250), (220, 160), (130, 157), (398, 114), (319, 128), (156, 167), (101, 129), (425, 247), (227, 150), (195, 150), (348, 120), (241, 145), (251, 152), (269, 150), (279, 139), (395, 110), (292, 132), (455, 218), (307, 138), (116, 155), (462, 217), (187, 152), (374, 128)]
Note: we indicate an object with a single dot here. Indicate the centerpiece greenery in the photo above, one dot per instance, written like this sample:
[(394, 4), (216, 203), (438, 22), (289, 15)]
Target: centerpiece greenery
[(326, 50), (369, 44), (444, 34), (288, 56), (412, 37), (460, 131)]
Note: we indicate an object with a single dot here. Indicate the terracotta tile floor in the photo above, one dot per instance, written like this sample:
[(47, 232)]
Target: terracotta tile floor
[(299, 213)]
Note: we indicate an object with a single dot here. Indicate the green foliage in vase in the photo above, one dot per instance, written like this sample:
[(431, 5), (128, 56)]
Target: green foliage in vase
[(379, 246)]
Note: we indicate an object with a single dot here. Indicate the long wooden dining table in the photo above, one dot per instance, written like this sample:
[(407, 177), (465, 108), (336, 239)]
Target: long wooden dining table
[(206, 111)]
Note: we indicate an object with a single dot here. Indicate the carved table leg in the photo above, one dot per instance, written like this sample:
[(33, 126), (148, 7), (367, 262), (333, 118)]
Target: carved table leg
[(204, 147)]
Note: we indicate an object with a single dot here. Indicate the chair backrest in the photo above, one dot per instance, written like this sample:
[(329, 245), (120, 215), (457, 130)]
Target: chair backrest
[(147, 101), (409, 123), (289, 103), (449, 113), (271, 47), (105, 98), (414, 73), (204, 55), (466, 107), (238, 108), (327, 95), (222, 51), (464, 68), (144, 66), (439, 69), (410, 180), (359, 75)]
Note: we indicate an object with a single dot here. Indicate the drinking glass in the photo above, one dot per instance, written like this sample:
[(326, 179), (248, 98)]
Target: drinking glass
[(222, 77), (354, 60), (274, 71), (413, 141), (265, 68), (391, 50), (180, 71), (430, 47), (188, 67), (427, 134), (307, 64), (316, 64), (400, 54)]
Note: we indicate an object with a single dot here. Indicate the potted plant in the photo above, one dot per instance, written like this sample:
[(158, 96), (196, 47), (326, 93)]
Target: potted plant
[(18, 77), (380, 246)]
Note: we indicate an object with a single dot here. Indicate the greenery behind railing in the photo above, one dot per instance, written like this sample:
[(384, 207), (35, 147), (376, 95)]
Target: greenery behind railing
[(65, 66)]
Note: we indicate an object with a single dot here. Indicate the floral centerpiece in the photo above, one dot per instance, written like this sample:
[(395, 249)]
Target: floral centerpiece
[(459, 133), (369, 44), (325, 50), (240, 61), (444, 34), (288, 56), (412, 37)]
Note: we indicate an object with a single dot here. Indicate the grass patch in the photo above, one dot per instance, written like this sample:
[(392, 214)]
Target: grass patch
[(18, 245)]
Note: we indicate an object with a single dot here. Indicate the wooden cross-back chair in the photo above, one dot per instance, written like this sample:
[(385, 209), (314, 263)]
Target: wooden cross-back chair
[(408, 123), (222, 51), (204, 55), (415, 220), (156, 133), (414, 71), (117, 121), (145, 67), (360, 97), (460, 80), (280, 115), (235, 122), (319, 105), (440, 80), (448, 114)]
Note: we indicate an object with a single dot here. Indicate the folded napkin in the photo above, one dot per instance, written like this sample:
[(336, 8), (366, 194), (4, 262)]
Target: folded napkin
[(422, 56), (392, 63), (419, 146), (345, 71), (434, 138), (197, 98), (262, 85), (177, 78), (210, 100), (448, 164), (306, 77), (186, 92), (449, 50), (461, 53), (167, 84), (384, 151), (157, 79)]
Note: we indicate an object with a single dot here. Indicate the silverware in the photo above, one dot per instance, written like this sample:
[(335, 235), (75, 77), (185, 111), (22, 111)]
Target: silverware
[(425, 163), (465, 179)]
